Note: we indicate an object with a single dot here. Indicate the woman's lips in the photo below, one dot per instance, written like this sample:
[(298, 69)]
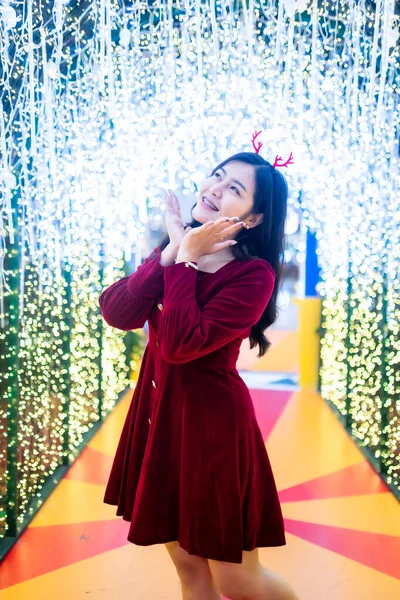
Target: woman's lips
[(206, 206)]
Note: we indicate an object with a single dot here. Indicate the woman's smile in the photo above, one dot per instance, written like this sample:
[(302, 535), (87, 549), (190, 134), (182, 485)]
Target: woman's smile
[(209, 205)]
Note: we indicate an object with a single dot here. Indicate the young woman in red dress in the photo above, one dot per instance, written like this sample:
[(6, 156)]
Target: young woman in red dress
[(191, 469)]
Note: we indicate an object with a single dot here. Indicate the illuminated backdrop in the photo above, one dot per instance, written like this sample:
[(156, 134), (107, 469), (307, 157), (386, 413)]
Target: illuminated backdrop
[(103, 103)]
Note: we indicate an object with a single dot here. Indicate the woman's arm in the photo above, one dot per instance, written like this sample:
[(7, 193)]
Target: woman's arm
[(127, 303), (187, 332)]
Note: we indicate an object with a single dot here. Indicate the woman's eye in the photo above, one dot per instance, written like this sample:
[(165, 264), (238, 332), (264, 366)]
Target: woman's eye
[(232, 187)]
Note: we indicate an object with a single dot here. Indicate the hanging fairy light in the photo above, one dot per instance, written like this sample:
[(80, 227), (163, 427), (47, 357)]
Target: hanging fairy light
[(8, 16)]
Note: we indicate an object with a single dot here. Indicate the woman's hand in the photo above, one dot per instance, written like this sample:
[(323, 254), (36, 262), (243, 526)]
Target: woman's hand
[(175, 227), (173, 219), (206, 239)]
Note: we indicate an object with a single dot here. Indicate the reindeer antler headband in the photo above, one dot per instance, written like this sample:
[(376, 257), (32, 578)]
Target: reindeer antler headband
[(277, 158)]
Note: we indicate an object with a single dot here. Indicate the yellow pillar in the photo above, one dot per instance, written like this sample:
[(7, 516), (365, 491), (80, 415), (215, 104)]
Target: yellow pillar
[(309, 319)]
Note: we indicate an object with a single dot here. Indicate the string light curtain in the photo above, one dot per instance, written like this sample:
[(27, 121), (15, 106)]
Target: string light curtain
[(103, 103)]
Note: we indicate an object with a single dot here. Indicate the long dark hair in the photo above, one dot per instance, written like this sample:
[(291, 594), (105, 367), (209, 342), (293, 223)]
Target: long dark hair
[(266, 240)]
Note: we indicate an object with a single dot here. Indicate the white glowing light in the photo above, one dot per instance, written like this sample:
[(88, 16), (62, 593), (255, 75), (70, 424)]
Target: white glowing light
[(9, 179), (124, 37), (9, 16), (290, 7), (393, 36), (52, 69), (292, 221), (302, 5)]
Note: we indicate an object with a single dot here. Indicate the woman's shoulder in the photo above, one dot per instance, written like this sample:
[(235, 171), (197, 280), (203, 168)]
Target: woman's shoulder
[(256, 263), (247, 271)]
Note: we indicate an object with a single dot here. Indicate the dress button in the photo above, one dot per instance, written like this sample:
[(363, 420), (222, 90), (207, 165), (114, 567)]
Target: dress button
[(150, 421), (154, 383), (160, 306)]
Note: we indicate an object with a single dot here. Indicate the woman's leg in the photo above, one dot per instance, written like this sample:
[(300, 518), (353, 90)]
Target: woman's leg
[(249, 580), (194, 573)]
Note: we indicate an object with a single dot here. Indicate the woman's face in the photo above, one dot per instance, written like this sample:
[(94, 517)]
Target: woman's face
[(231, 191)]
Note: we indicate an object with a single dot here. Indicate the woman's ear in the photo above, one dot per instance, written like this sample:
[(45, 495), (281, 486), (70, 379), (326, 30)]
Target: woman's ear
[(256, 219)]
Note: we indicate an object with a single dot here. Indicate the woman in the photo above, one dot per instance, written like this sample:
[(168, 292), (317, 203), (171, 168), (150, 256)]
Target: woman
[(191, 468)]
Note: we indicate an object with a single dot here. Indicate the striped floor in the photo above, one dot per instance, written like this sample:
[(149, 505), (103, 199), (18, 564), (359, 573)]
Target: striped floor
[(342, 523)]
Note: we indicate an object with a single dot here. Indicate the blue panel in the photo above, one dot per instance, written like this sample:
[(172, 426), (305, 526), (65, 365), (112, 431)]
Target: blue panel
[(312, 268)]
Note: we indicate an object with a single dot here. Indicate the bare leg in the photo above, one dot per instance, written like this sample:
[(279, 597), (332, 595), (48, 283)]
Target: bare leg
[(274, 587), (201, 590), (197, 582), (250, 580)]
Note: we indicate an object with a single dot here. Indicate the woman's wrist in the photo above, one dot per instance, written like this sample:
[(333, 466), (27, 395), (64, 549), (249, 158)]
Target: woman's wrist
[(184, 256), (168, 255)]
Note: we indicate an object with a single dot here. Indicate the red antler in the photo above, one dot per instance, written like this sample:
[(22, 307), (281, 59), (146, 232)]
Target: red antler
[(288, 162), (256, 149)]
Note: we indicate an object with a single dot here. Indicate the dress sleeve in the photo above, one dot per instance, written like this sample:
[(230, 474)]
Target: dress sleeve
[(127, 303), (187, 332)]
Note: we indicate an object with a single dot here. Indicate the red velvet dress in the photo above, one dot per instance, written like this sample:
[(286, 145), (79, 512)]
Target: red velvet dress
[(191, 464)]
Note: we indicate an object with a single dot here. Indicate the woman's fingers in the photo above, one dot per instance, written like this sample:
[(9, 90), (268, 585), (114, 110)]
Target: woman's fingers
[(221, 245), (223, 220), (174, 197), (167, 200), (224, 225), (228, 227), (175, 203), (233, 228)]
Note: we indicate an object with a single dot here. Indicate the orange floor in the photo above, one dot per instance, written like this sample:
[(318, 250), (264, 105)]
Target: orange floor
[(342, 523)]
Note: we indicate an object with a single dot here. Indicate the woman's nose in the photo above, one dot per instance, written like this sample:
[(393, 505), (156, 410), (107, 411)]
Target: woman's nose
[(215, 189)]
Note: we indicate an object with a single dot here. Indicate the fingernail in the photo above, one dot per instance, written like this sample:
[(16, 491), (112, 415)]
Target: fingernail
[(234, 242)]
